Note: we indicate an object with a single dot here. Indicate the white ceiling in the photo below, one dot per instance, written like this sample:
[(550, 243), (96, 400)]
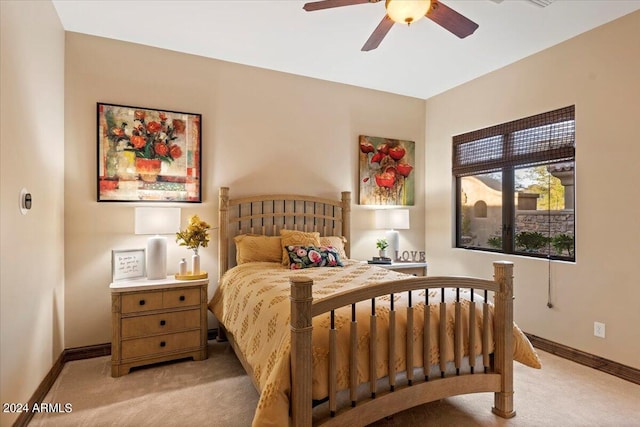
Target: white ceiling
[(420, 61)]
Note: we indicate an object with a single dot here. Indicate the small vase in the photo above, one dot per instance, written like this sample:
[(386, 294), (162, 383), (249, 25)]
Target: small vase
[(182, 267), (148, 169), (195, 262)]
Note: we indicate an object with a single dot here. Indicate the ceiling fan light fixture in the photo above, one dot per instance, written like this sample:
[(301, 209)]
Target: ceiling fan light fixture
[(407, 11)]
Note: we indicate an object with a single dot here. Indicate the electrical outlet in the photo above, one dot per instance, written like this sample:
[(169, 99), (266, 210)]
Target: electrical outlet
[(598, 329)]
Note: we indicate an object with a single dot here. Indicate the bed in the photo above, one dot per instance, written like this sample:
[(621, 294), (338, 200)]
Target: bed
[(300, 314)]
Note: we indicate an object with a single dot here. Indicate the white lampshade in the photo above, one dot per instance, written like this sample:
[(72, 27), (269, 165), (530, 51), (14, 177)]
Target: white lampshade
[(392, 220), (157, 221), (407, 11)]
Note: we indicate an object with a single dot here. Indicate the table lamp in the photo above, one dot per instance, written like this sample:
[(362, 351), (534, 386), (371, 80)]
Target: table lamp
[(157, 221), (392, 220)]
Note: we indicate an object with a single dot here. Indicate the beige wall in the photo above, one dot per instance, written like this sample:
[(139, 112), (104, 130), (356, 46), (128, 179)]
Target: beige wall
[(32, 157), (599, 73), (263, 132)]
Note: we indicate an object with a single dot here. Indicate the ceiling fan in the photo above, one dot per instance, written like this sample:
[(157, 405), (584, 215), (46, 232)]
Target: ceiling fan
[(405, 12)]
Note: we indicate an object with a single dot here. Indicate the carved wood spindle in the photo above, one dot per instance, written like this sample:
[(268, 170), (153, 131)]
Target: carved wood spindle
[(301, 342), (353, 358)]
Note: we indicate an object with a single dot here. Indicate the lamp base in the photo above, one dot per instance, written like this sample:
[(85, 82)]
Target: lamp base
[(157, 258), (393, 238)]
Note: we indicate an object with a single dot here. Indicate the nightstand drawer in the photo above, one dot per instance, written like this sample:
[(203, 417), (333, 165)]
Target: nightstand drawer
[(160, 323), (141, 301), (181, 298), (413, 268), (160, 344), (415, 271)]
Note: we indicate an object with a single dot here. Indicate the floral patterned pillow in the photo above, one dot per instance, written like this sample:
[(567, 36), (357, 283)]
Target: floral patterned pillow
[(295, 237), (313, 256)]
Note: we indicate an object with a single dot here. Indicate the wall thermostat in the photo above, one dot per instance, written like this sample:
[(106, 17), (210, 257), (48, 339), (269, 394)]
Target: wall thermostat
[(26, 201)]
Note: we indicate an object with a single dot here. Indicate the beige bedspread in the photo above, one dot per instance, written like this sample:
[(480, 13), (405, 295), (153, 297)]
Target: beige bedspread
[(252, 302)]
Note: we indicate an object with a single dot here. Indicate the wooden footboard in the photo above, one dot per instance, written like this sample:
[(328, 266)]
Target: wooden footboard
[(497, 376)]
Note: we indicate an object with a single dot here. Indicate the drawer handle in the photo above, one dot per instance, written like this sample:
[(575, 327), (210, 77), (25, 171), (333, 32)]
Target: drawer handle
[(163, 344), (182, 298), (142, 302), (163, 322)]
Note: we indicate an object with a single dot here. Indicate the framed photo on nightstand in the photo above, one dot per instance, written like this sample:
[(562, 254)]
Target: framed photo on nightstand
[(128, 264)]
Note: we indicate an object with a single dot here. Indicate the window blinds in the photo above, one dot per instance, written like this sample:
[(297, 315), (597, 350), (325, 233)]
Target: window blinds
[(544, 138)]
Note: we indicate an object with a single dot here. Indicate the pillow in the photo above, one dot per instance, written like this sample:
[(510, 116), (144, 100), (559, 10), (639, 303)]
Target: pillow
[(337, 242), (523, 351), (258, 248), (294, 237), (313, 256)]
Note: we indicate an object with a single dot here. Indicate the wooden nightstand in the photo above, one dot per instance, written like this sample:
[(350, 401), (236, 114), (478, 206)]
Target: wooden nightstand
[(157, 320), (415, 268)]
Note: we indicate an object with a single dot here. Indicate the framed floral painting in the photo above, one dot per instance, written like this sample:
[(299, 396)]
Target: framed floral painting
[(386, 171), (147, 155)]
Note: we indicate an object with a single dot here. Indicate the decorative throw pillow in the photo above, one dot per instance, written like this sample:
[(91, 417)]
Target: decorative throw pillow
[(337, 242), (523, 351), (313, 256), (258, 248), (294, 237)]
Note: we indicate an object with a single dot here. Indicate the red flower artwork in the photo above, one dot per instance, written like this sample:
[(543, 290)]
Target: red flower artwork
[(161, 148), (386, 167), (146, 154), (149, 140), (153, 127)]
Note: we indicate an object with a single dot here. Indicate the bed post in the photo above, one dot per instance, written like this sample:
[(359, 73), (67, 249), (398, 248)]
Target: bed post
[(301, 328), (346, 221), (503, 335), (223, 231)]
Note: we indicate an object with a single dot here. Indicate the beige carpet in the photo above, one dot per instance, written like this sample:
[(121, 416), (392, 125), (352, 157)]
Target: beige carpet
[(217, 392)]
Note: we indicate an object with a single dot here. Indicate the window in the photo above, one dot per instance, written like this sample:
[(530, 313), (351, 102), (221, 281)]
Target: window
[(515, 186)]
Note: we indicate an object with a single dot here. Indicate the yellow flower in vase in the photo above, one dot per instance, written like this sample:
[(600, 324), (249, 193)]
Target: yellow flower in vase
[(195, 235)]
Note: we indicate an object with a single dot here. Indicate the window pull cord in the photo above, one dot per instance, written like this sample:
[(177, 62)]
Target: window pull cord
[(549, 304)]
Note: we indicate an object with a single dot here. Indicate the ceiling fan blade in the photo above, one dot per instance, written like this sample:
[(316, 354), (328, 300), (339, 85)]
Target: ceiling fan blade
[(451, 20), (327, 4), (378, 34)]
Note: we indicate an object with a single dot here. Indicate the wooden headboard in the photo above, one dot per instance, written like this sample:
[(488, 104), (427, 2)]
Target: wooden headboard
[(267, 214)]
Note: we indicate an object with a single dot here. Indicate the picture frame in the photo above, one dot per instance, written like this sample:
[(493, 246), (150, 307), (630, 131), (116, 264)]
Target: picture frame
[(127, 264), (148, 155), (387, 174)]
